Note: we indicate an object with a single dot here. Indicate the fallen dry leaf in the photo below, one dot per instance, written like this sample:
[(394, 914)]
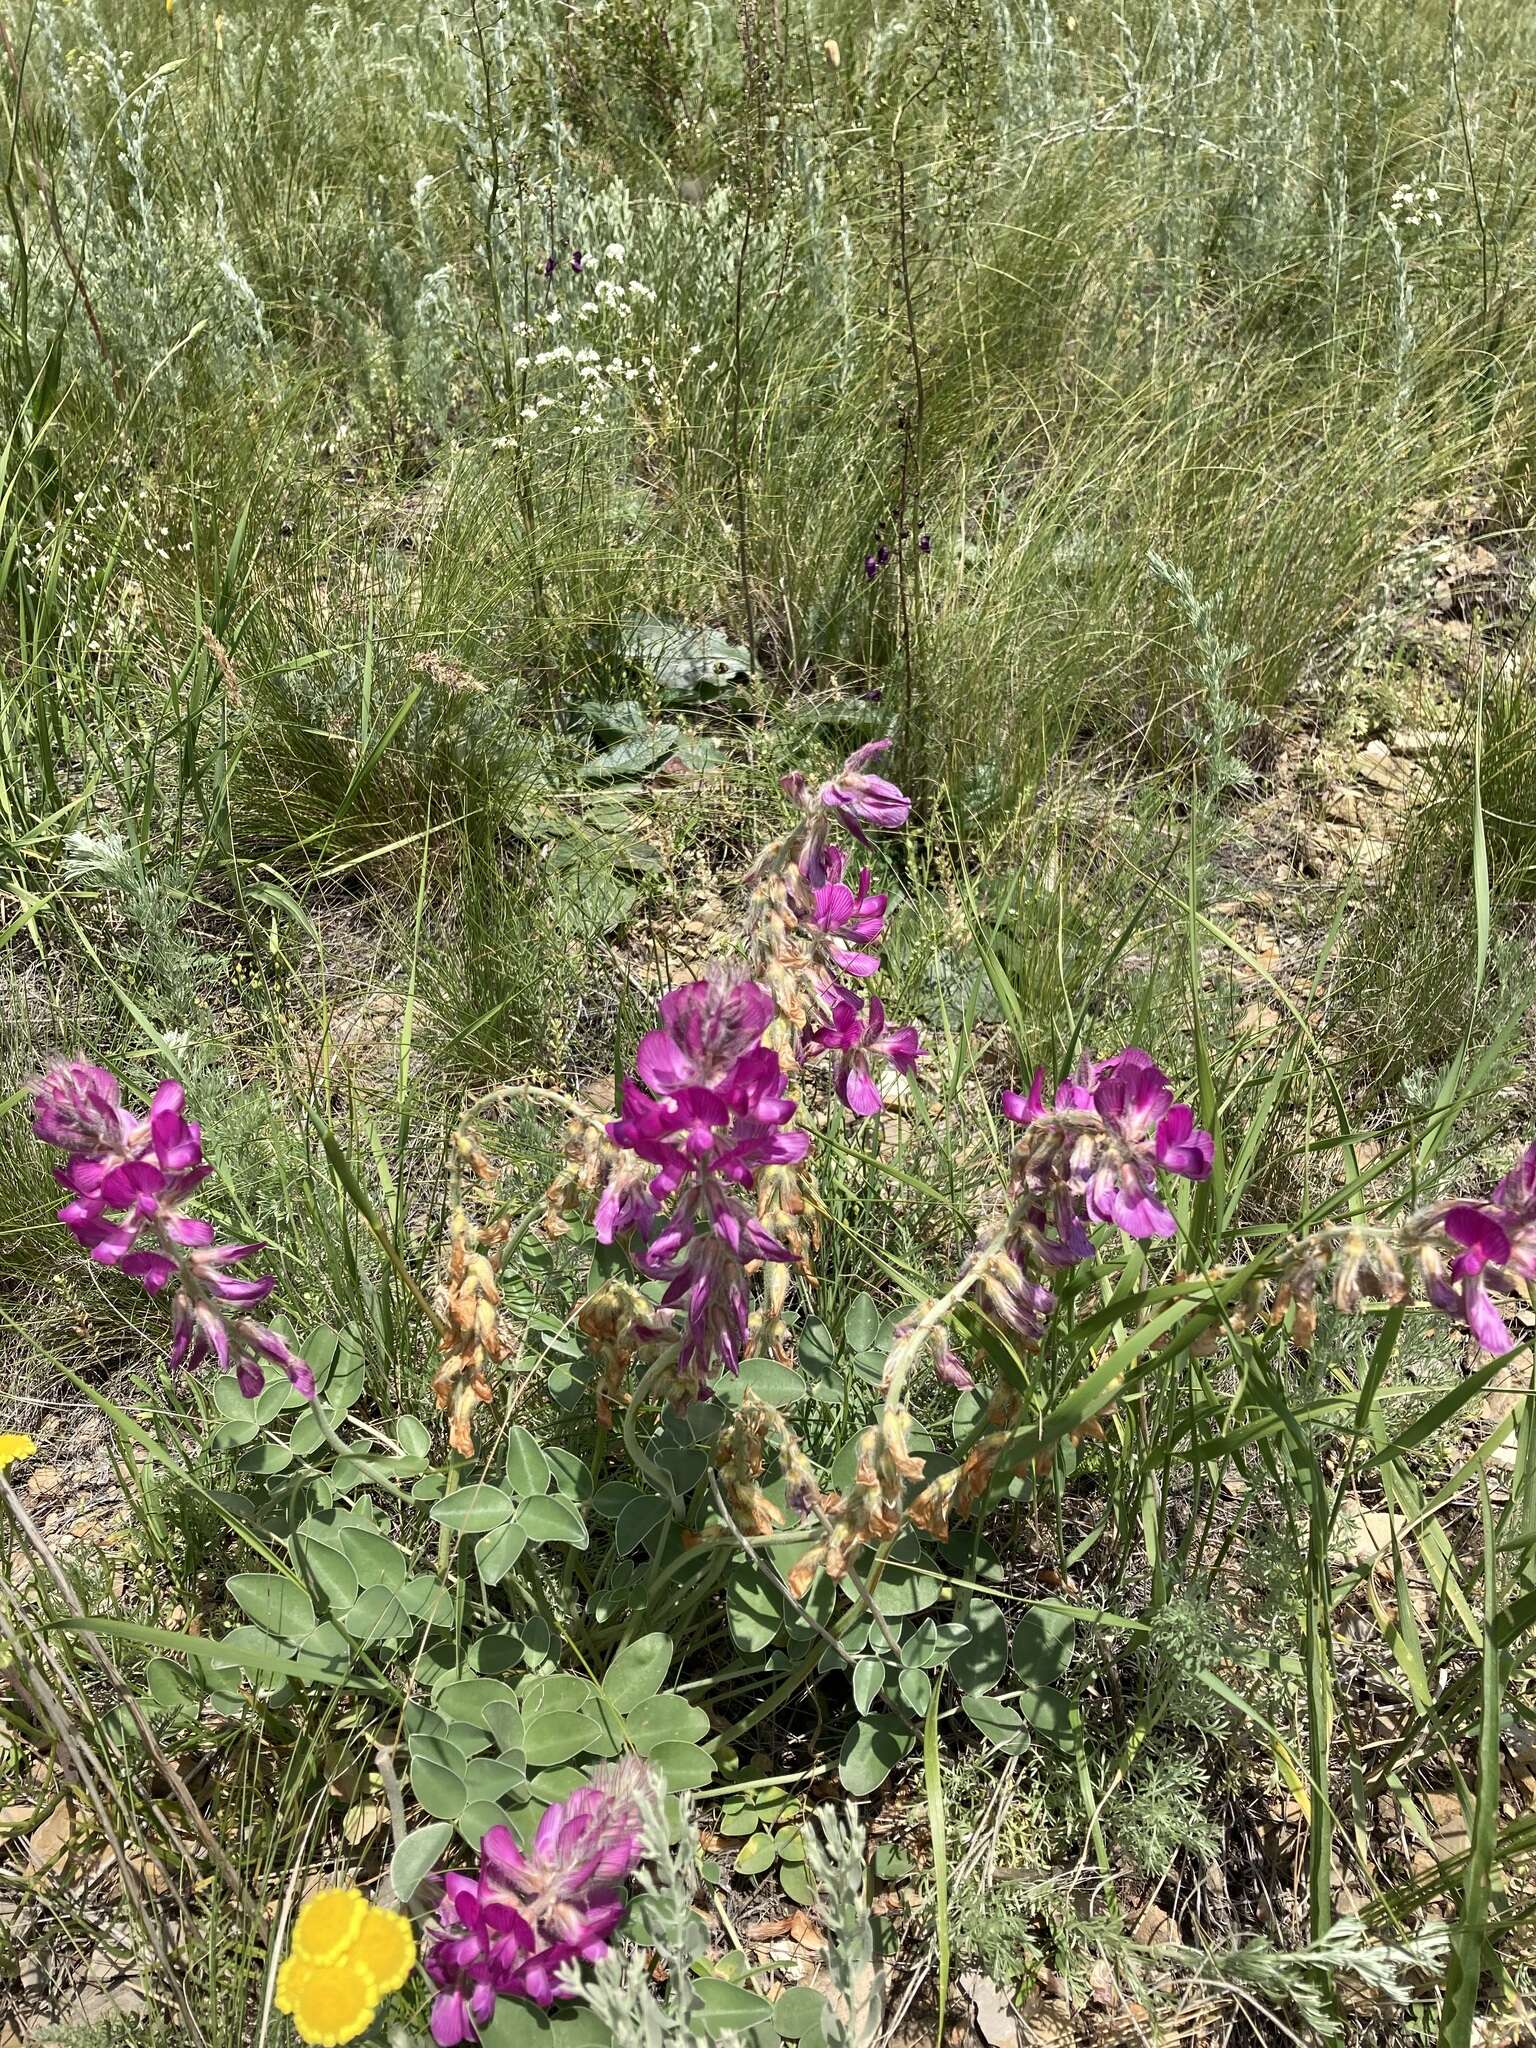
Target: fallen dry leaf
[(993, 2010)]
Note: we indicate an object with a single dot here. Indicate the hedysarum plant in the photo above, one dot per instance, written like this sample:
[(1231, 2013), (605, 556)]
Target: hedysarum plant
[(128, 1178)]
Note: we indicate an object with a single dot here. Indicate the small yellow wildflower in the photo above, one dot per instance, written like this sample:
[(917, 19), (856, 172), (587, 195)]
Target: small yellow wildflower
[(386, 1949), (347, 1955), (328, 1924), (13, 1448), (329, 2003)]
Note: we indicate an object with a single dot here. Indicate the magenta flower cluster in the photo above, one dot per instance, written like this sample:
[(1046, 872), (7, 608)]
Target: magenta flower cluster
[(127, 1178), (707, 1109), (511, 1931), (1093, 1156), (846, 922), (708, 1106)]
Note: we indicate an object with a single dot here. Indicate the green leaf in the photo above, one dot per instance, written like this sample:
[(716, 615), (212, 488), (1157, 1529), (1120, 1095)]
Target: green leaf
[(527, 1468), (752, 1608), (685, 1766), (794, 1881), (861, 1326), (517, 2025), (1049, 1713), (639, 1521), (1043, 1645), (377, 1617), (666, 1718), (497, 1551), (637, 1672), (914, 1688), (376, 1560), (756, 1855), (981, 1662), (554, 1738), (264, 1461), (416, 1856), (999, 1722), (868, 1682), (570, 1474), (552, 1520), (508, 1729), (559, 1692), (468, 1699), (611, 1499), (173, 1690), (726, 2008), (331, 1571), (413, 1437), (798, 2013), (765, 1377), (474, 1509), (439, 1790), (871, 1750), (280, 1606), (932, 1644), (489, 1780)]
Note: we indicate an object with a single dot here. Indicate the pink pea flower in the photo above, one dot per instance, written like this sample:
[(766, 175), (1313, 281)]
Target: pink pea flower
[(510, 1931), (857, 1040), (127, 1179), (843, 915), (861, 799), (1113, 1126)]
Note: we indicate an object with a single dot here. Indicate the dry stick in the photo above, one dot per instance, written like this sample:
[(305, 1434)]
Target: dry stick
[(911, 459), (86, 1774), (114, 1678), (742, 562)]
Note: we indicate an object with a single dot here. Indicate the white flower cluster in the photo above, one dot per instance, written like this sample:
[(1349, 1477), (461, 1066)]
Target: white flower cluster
[(589, 386), (1418, 205)]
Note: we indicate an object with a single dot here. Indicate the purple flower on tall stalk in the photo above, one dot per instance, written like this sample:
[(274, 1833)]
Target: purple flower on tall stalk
[(511, 1931), (128, 1177), (576, 261), (710, 1114), (871, 568), (844, 915), (857, 1040), (861, 799), (1113, 1126), (1498, 1247)]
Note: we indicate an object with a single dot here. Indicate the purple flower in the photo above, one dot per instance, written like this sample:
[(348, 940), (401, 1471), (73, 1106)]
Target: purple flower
[(1113, 1126), (871, 568), (511, 1931), (576, 261), (925, 543), (1020, 1302), (882, 554), (711, 1113), (127, 1178), (843, 915), (1498, 1248), (952, 1370), (705, 1027), (551, 264), (857, 1040), (861, 799)]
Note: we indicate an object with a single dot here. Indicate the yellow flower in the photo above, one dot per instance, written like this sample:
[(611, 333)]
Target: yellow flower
[(14, 1447), (386, 1949), (347, 1955), (329, 2003), (328, 1924)]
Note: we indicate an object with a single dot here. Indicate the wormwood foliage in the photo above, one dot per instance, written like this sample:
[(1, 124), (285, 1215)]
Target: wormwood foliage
[(692, 1132)]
